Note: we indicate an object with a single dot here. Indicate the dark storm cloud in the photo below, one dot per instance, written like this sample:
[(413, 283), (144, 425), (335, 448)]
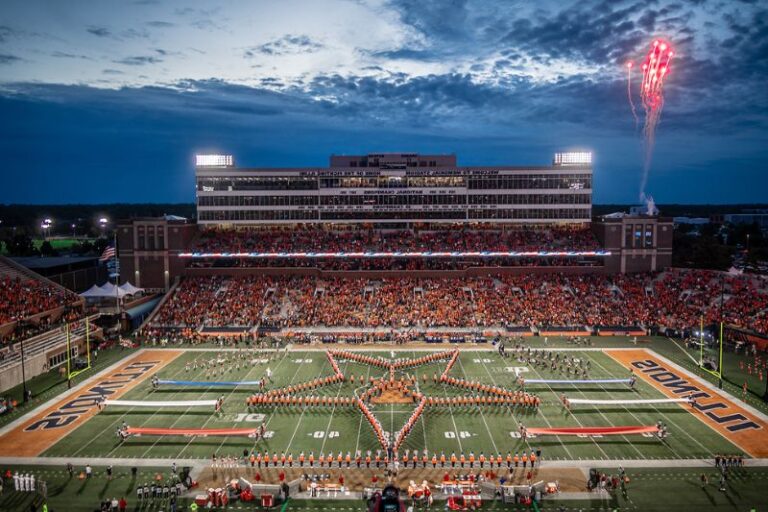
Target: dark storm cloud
[(444, 19), (598, 33), (521, 123), (286, 45), (6, 58), (99, 31), (500, 99), (138, 60)]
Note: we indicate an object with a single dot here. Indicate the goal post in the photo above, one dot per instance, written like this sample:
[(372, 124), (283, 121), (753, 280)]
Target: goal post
[(70, 373), (711, 358)]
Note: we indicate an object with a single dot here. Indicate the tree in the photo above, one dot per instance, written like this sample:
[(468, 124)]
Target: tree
[(46, 249), (20, 245)]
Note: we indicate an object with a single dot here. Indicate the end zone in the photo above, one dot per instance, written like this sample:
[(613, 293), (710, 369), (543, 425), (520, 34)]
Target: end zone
[(717, 410), (33, 436)]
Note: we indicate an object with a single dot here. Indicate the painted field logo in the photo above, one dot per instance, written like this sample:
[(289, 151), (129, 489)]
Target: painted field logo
[(705, 402), (70, 411)]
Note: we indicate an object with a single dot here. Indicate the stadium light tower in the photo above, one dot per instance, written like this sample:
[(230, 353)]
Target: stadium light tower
[(46, 227), (103, 222)]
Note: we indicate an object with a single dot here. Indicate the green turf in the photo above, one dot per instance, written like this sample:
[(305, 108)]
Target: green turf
[(455, 429), (71, 494)]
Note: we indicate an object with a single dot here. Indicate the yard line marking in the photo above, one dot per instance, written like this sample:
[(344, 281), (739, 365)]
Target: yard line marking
[(209, 419), (512, 413), (360, 425), (455, 428), (577, 420), (493, 442), (582, 393), (333, 410), (301, 416), (423, 417), (229, 396)]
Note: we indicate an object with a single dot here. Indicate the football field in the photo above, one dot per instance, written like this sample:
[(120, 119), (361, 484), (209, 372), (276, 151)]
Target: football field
[(450, 429)]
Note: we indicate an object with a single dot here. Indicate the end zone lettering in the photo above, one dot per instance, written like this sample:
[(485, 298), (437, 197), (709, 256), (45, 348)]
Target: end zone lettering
[(679, 386), (75, 408)]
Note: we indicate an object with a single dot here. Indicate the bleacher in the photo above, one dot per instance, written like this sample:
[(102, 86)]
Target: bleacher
[(28, 298)]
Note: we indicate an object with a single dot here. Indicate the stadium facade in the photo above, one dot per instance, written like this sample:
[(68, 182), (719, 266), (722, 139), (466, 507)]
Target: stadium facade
[(395, 188), (394, 191)]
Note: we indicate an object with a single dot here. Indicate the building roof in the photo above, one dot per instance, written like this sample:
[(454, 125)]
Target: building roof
[(39, 262)]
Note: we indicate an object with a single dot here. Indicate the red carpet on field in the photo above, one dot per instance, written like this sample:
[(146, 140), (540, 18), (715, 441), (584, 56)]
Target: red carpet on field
[(147, 431), (592, 431)]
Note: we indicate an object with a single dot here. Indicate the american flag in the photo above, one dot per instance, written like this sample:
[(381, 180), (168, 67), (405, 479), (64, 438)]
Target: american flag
[(108, 254)]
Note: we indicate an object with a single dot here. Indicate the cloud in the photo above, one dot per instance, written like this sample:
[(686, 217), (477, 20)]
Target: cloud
[(99, 31), (286, 45), (110, 71), (405, 54), (6, 58), (66, 55), (5, 33), (484, 123), (139, 60), (160, 24)]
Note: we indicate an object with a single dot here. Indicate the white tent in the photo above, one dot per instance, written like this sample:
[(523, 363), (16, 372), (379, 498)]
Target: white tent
[(110, 290), (93, 292), (129, 289)]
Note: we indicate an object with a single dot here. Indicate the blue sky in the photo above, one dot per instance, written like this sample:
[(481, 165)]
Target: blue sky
[(109, 101)]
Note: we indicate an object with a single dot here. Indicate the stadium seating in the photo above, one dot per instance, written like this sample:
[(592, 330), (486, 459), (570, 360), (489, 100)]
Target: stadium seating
[(676, 299), (480, 237), (24, 295)]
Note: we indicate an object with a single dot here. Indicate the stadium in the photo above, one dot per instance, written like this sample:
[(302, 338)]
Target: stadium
[(468, 335)]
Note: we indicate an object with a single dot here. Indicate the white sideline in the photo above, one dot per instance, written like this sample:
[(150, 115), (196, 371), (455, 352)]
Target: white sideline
[(627, 402), (140, 403)]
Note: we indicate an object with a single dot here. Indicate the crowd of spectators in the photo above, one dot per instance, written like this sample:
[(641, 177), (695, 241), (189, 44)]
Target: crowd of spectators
[(675, 299), (435, 238), (22, 298)]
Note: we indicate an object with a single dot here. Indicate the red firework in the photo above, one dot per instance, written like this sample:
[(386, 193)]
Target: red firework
[(656, 69)]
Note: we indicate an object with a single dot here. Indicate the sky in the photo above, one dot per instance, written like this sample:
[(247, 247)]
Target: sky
[(107, 101)]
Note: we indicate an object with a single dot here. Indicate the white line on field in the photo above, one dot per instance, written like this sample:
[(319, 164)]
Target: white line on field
[(487, 428), (511, 410), (360, 425), (301, 416), (333, 410)]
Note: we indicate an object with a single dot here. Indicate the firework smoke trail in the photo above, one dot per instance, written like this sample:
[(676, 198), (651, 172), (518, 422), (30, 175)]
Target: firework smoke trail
[(629, 93), (655, 70)]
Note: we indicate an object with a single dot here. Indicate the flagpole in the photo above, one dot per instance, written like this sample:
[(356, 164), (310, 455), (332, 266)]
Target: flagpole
[(117, 282)]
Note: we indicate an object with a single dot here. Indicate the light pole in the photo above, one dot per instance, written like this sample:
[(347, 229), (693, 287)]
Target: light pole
[(23, 372), (46, 227), (103, 221), (720, 364)]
